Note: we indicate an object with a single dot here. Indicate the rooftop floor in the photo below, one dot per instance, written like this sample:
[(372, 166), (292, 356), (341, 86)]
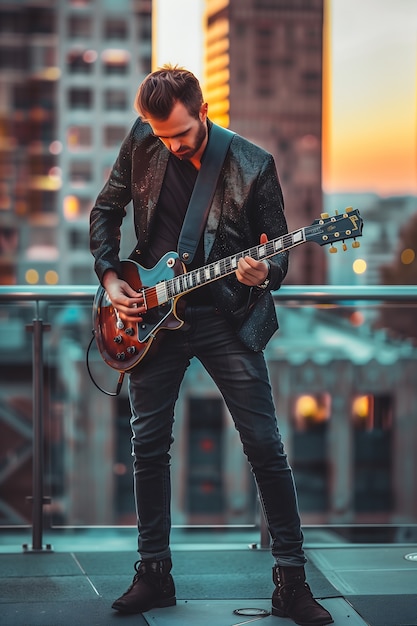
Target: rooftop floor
[(76, 576)]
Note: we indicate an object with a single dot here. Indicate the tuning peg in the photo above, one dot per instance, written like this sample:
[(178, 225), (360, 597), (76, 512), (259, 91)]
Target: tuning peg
[(333, 250), (324, 216), (356, 244), (344, 247)]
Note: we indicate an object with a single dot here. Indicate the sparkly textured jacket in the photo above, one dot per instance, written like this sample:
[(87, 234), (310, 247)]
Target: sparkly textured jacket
[(247, 202)]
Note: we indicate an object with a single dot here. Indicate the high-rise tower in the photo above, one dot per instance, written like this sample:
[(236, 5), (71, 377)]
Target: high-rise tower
[(263, 78)]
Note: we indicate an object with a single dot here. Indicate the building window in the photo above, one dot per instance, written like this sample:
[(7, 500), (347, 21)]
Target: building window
[(264, 33), (311, 83), (115, 28), (373, 437), (46, 57), (43, 94), (313, 39), (41, 236), (81, 62), (144, 22), (310, 418), (81, 172), (204, 484), (41, 20), (79, 137), (114, 135), (373, 413), (119, 69), (41, 201), (115, 61), (80, 98), (75, 207), (264, 92), (115, 100), (78, 239), (40, 164), (144, 63), (13, 58), (9, 240), (80, 27), (21, 97), (12, 22)]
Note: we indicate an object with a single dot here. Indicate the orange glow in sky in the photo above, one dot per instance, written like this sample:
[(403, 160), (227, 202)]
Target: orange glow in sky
[(370, 111), (371, 144)]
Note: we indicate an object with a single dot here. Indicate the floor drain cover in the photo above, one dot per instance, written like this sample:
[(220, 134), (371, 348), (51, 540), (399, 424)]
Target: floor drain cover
[(252, 612)]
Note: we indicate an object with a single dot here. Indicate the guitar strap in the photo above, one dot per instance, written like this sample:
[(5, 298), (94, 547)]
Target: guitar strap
[(203, 192)]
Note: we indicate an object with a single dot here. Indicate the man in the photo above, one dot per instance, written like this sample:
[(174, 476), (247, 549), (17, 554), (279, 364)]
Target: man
[(228, 324)]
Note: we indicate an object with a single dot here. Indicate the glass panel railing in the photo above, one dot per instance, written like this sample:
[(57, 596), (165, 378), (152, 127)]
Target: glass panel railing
[(343, 368)]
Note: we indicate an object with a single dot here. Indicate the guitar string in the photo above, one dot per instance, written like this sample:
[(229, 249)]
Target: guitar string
[(183, 283)]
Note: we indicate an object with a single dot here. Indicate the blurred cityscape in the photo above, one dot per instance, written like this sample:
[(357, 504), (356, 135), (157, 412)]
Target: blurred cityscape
[(343, 376)]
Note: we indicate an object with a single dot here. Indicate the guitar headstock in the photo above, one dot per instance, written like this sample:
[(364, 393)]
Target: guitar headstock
[(328, 230)]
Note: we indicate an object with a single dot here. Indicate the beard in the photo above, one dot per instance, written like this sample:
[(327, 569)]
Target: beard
[(187, 152)]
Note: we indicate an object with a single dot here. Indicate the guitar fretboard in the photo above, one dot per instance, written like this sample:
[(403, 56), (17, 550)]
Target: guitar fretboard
[(179, 285)]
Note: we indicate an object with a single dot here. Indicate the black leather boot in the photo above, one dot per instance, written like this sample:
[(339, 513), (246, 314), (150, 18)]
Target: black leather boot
[(292, 598), (152, 587)]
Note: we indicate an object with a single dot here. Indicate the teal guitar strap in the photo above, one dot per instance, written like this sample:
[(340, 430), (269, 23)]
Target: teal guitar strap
[(203, 192)]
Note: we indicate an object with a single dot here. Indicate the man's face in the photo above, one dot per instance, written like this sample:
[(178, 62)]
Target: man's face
[(183, 135)]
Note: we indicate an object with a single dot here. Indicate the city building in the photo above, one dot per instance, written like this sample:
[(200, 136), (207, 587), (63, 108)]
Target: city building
[(29, 180), (104, 52), (264, 78), (69, 73)]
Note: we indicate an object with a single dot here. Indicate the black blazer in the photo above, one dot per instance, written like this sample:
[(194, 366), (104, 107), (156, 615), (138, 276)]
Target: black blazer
[(247, 202)]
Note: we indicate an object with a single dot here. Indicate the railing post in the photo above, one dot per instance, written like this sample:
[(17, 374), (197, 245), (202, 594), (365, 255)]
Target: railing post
[(38, 499)]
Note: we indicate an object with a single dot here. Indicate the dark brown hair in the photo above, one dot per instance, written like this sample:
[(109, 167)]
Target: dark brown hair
[(167, 85)]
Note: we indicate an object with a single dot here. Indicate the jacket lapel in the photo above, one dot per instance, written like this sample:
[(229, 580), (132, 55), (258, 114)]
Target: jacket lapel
[(148, 189), (157, 167)]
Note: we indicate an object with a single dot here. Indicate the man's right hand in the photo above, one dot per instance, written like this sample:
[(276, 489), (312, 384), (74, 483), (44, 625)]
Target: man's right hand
[(128, 302)]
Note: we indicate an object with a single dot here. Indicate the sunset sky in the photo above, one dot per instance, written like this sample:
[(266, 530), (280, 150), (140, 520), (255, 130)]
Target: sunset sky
[(372, 111), (373, 121)]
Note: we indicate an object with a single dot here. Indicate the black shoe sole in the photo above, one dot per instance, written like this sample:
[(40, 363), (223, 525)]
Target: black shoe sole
[(132, 611), (279, 613)]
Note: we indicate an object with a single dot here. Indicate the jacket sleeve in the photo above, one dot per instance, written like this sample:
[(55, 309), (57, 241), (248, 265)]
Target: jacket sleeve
[(109, 210), (268, 217)]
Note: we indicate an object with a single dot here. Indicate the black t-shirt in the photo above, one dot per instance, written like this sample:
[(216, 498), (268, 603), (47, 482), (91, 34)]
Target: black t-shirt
[(178, 185)]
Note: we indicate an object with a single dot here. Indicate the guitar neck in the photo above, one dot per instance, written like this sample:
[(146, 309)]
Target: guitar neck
[(182, 284)]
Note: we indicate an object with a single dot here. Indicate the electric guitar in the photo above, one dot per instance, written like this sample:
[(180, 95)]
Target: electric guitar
[(123, 345)]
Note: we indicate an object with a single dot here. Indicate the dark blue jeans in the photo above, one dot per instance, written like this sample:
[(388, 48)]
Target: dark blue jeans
[(242, 377)]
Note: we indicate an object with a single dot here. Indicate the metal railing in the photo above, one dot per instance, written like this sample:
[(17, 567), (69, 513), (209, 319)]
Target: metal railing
[(317, 294)]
